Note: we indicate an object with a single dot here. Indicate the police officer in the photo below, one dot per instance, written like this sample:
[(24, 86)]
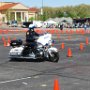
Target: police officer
[(31, 36)]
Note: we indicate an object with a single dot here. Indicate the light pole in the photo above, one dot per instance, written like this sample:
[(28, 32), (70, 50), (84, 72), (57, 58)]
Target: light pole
[(42, 8), (1, 13), (65, 14)]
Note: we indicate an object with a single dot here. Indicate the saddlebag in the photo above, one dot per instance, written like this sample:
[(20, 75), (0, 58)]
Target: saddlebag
[(16, 42)]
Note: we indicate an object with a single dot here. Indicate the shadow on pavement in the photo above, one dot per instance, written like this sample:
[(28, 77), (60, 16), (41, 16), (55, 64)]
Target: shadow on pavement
[(26, 60)]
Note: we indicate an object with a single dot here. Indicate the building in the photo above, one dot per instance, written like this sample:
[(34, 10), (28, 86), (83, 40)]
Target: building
[(33, 12), (16, 11)]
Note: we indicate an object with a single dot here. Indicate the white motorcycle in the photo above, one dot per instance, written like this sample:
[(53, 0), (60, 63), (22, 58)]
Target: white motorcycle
[(40, 48)]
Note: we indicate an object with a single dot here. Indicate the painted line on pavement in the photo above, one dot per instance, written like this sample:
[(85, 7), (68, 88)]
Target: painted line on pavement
[(14, 80)]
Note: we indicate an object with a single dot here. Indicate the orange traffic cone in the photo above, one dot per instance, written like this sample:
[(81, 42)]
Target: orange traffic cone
[(0, 31), (52, 32), (5, 43), (8, 44), (57, 32), (56, 85), (81, 46), (66, 31), (62, 46), (87, 41), (72, 31), (77, 31), (3, 39), (83, 32), (69, 53), (8, 41)]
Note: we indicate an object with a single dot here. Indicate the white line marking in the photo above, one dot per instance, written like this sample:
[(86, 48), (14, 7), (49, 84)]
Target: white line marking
[(36, 77), (77, 83), (9, 81), (43, 85), (24, 83)]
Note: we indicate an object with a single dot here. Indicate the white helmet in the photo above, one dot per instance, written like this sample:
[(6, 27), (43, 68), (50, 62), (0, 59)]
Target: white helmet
[(31, 26)]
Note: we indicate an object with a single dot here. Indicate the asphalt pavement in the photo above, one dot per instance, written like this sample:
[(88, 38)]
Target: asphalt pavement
[(72, 73)]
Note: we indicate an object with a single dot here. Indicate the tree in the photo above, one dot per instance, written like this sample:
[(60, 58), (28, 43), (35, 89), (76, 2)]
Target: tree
[(81, 11), (31, 18)]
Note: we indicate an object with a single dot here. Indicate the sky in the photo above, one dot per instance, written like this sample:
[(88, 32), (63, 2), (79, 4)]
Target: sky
[(50, 3)]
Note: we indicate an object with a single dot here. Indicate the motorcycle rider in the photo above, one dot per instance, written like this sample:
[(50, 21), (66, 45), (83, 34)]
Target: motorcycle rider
[(31, 36)]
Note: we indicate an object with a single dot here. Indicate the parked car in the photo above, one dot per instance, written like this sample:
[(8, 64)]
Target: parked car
[(26, 24), (12, 23)]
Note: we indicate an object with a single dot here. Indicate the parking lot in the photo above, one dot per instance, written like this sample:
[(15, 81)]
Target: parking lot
[(72, 73)]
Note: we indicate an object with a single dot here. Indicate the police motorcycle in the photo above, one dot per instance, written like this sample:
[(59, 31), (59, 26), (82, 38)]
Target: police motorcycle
[(37, 46)]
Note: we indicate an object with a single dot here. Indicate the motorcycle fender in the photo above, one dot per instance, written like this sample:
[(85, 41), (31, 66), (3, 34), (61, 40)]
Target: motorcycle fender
[(52, 49)]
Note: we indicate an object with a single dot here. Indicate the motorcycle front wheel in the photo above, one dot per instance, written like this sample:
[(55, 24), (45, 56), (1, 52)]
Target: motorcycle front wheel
[(54, 57)]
